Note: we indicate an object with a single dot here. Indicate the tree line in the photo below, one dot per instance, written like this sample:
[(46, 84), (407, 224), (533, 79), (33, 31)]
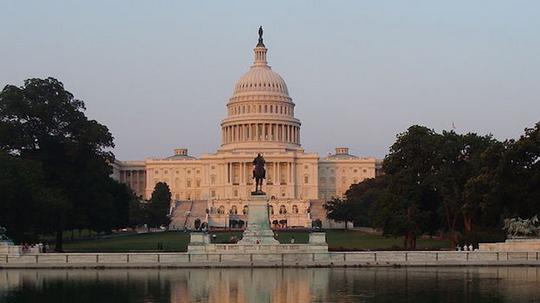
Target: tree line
[(55, 168), (461, 186)]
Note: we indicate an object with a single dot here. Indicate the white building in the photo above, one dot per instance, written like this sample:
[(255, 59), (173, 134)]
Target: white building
[(260, 119)]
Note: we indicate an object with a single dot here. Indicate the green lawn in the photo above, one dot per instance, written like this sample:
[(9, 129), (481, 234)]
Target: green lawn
[(177, 241)]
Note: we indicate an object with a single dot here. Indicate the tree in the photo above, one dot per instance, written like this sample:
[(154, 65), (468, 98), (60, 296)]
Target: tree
[(137, 212), (458, 161), (339, 210), (363, 196), (44, 123), (159, 205), (412, 200), (23, 207)]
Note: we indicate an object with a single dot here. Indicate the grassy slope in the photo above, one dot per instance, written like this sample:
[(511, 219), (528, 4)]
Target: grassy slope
[(177, 241)]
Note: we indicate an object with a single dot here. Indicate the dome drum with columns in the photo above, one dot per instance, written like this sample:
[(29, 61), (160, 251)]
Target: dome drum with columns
[(260, 119)]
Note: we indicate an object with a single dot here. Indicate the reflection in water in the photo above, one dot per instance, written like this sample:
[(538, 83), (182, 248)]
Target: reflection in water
[(483, 284)]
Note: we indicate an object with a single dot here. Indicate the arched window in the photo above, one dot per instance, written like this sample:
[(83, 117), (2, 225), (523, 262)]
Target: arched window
[(306, 179), (188, 183), (245, 210), (233, 210), (271, 209), (221, 210), (282, 209), (295, 209)]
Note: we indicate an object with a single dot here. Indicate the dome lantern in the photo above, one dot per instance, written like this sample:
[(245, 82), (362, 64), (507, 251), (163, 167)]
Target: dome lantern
[(260, 51)]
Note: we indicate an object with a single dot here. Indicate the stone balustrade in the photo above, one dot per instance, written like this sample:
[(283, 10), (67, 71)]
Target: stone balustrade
[(264, 259)]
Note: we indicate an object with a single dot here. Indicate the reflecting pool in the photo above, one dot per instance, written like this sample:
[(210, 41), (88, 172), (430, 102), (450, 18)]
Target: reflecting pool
[(444, 284)]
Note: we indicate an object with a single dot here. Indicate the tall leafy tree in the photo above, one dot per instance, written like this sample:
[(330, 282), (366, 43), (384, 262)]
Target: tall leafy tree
[(458, 161), (43, 122), (159, 205), (411, 165)]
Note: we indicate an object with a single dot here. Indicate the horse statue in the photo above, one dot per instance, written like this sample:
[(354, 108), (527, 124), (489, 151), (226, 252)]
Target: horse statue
[(522, 228), (259, 174)]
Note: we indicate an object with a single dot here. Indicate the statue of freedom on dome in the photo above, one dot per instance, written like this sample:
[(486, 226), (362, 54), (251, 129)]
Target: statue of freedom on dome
[(259, 174), (261, 43)]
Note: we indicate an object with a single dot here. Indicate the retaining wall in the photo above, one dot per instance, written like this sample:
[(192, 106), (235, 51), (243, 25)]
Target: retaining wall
[(378, 258)]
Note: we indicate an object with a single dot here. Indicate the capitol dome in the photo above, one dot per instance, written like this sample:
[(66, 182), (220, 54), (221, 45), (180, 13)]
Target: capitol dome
[(260, 113), (261, 79)]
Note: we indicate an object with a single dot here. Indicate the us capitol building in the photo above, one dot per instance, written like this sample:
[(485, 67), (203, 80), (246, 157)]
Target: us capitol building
[(260, 119)]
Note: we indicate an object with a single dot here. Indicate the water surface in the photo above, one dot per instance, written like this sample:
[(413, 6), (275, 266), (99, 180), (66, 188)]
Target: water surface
[(443, 284)]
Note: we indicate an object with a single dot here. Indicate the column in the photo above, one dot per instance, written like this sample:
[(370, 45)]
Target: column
[(242, 172), (279, 171), (289, 130), (228, 173), (256, 132), (294, 177), (289, 173), (276, 180)]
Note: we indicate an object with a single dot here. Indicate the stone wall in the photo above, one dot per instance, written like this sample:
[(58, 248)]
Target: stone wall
[(262, 259), (512, 245)]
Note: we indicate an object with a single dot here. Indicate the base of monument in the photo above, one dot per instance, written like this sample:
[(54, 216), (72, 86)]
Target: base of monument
[(258, 248), (200, 243), (258, 193), (258, 237), (524, 244), (258, 225)]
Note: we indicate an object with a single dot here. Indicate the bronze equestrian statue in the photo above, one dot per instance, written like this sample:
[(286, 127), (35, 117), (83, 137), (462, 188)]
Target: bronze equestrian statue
[(259, 174)]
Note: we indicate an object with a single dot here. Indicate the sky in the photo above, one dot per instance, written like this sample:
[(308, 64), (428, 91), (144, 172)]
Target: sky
[(158, 74)]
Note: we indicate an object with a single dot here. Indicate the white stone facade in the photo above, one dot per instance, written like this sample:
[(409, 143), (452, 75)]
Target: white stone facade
[(260, 119)]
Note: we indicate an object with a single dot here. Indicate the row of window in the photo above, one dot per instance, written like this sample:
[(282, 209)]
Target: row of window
[(252, 85), (332, 180), (272, 109), (234, 210), (329, 170), (166, 171)]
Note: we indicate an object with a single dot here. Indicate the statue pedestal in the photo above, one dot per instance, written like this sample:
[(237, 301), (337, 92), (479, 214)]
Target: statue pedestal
[(258, 227)]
